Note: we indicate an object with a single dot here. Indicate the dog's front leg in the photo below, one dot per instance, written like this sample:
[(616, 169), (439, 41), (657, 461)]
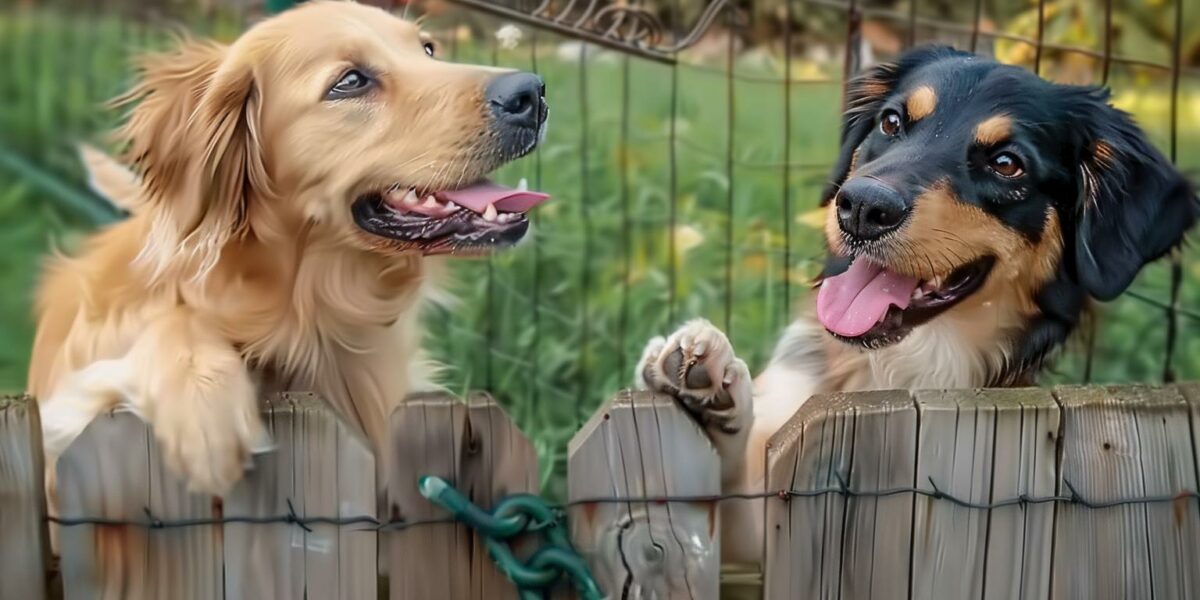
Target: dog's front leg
[(187, 382)]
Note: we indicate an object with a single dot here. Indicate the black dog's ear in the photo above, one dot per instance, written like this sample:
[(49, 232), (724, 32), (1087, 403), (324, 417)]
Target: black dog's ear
[(1134, 205), (864, 94)]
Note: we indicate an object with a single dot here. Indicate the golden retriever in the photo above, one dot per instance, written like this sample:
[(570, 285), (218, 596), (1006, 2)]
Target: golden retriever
[(974, 214), (291, 190)]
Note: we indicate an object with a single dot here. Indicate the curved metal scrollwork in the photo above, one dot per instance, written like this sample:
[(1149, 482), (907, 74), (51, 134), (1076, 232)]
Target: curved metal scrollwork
[(632, 28)]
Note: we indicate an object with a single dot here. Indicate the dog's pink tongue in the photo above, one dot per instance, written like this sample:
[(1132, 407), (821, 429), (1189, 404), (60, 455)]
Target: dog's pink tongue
[(477, 198), (852, 303)]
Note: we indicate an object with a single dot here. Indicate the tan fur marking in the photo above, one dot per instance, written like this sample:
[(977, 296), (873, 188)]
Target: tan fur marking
[(921, 103), (1104, 153), (873, 88), (993, 130)]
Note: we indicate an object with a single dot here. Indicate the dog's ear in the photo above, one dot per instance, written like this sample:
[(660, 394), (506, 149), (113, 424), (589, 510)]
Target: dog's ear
[(194, 136), (1134, 205), (864, 95)]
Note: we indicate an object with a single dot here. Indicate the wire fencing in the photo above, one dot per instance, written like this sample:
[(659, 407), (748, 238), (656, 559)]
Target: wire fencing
[(688, 144)]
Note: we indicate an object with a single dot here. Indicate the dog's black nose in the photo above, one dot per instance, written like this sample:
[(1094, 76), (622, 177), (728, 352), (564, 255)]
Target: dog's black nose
[(518, 99), (868, 208)]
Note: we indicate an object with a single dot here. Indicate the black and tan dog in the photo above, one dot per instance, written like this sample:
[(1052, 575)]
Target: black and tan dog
[(974, 213)]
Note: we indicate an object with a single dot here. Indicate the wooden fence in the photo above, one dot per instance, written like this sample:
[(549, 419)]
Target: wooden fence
[(1065, 493)]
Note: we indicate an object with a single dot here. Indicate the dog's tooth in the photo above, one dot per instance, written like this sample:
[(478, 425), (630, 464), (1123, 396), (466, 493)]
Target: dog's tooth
[(410, 199), (490, 213), (451, 205), (430, 202), (523, 185)]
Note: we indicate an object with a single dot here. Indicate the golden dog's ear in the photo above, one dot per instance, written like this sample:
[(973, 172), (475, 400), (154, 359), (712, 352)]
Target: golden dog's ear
[(194, 136)]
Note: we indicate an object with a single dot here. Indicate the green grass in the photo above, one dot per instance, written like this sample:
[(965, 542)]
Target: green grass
[(552, 327)]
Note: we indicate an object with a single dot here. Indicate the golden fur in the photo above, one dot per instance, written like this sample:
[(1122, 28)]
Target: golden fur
[(240, 267)]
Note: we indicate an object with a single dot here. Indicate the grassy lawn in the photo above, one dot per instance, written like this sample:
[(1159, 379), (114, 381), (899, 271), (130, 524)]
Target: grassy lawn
[(552, 327)]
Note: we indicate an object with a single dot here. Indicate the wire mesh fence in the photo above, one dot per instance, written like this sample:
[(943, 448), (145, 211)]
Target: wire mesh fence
[(688, 145)]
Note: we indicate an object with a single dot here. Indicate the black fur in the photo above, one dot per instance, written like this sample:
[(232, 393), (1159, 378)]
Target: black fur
[(1120, 203)]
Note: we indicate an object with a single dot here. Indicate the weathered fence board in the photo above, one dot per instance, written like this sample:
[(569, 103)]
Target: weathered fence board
[(884, 445), (1120, 443), (1100, 553), (975, 449), (902, 494), (805, 454), (24, 545), (954, 453), (831, 545), (475, 447), (113, 471), (319, 467), (642, 445), (1019, 537)]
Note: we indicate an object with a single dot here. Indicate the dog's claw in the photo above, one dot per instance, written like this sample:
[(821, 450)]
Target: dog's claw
[(697, 366)]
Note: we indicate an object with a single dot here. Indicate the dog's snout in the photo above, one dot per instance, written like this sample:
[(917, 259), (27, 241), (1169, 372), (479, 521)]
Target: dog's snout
[(518, 99), (868, 208)]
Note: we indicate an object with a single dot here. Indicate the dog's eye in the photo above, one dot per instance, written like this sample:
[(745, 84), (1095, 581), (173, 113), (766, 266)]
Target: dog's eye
[(351, 85), (890, 123), (428, 48), (1006, 164)]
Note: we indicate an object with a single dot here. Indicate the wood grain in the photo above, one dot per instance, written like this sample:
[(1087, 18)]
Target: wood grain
[(955, 454), (812, 451), (1100, 553), (320, 467), (644, 445), (1017, 563), (475, 447), (24, 544), (113, 471), (878, 536)]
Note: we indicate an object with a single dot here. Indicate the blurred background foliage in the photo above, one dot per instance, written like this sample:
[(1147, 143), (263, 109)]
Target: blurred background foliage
[(552, 328)]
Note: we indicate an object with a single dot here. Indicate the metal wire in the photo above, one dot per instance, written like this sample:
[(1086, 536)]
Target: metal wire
[(841, 489), (585, 274), (1168, 374), (730, 126)]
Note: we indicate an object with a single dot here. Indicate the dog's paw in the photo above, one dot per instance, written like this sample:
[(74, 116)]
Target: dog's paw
[(697, 366), (209, 441)]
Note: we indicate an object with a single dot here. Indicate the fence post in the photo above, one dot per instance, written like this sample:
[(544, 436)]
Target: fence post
[(320, 467), (24, 547), (831, 544), (644, 445), (475, 447), (113, 471)]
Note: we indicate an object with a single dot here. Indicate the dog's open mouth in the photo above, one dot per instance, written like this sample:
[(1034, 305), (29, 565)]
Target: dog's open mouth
[(872, 306), (478, 217)]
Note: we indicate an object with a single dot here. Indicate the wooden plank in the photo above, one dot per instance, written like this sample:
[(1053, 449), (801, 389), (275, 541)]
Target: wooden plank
[(982, 446), (645, 445), (24, 545), (113, 471), (1168, 466), (320, 467), (1025, 461), (955, 453), (804, 535), (1191, 395), (1100, 553), (877, 541), (477, 448)]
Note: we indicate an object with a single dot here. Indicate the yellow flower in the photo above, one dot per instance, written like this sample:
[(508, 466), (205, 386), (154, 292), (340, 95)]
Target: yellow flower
[(813, 218)]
